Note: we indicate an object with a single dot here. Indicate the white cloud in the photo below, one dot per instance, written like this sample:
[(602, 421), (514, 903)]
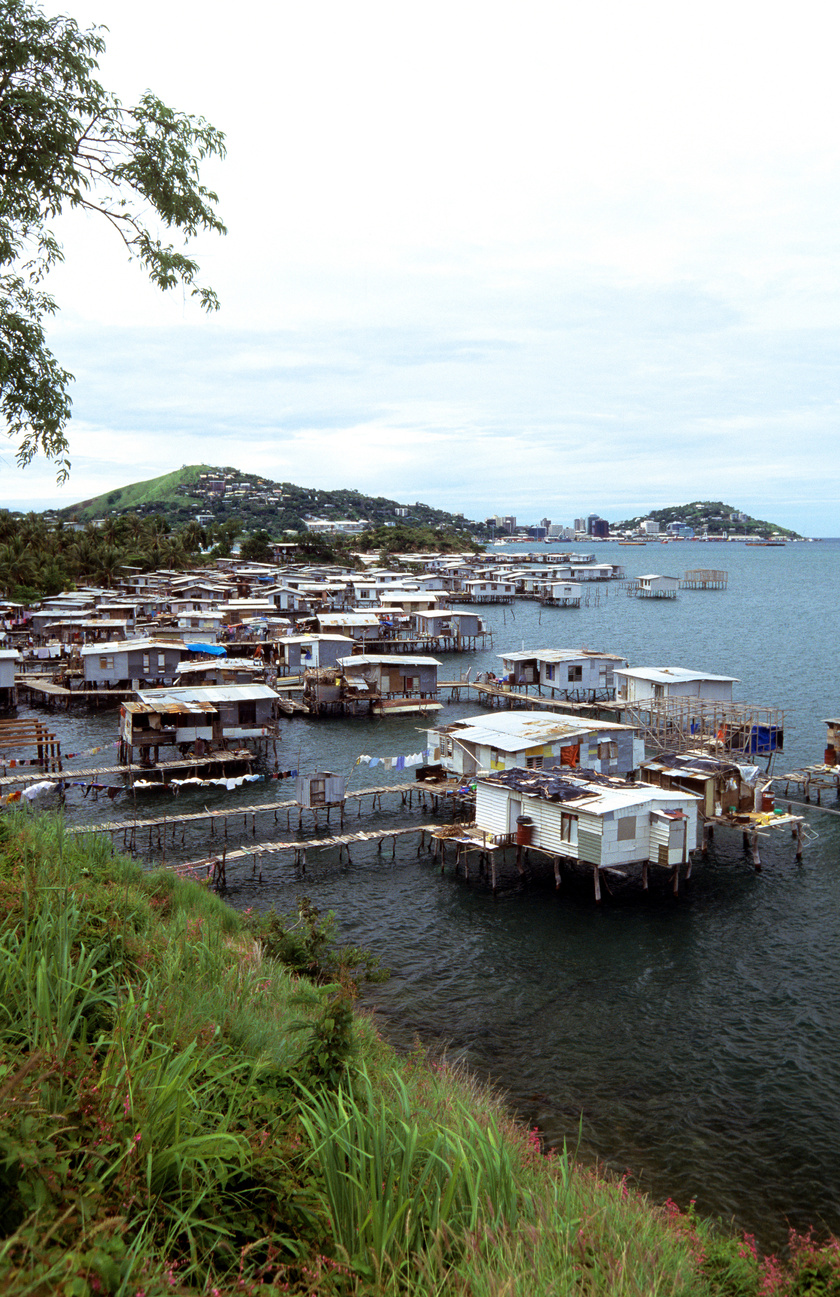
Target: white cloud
[(539, 260)]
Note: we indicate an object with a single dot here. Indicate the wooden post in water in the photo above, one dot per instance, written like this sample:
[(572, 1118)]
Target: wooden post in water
[(799, 842), (755, 855), (645, 876), (596, 877)]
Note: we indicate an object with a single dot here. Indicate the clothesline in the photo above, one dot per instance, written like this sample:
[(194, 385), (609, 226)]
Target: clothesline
[(402, 763)]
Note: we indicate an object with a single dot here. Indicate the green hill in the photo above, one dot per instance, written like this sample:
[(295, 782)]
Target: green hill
[(155, 494), (257, 502), (708, 516)]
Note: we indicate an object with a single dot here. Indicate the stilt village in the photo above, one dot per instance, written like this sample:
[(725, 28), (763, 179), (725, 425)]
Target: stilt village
[(580, 763)]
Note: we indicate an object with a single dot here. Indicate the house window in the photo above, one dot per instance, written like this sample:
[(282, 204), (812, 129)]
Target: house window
[(566, 827), (445, 745), (145, 664), (549, 671), (608, 751), (575, 675), (106, 663), (248, 712), (627, 828), (161, 661), (534, 763)]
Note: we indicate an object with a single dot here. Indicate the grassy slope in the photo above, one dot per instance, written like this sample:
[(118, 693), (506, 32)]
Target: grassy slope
[(179, 1113), (156, 490)]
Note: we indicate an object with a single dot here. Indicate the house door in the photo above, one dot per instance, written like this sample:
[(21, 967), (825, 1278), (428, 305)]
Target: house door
[(514, 809)]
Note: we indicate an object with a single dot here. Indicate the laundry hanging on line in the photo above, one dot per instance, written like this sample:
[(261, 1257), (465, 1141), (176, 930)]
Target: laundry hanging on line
[(409, 762)]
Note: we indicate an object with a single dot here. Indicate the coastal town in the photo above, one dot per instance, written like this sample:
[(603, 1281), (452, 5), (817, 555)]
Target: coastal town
[(586, 762)]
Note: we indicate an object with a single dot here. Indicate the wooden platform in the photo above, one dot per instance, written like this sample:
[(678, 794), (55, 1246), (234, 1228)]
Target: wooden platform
[(818, 778), (224, 813), (215, 867), (21, 735), (47, 689), (70, 774)]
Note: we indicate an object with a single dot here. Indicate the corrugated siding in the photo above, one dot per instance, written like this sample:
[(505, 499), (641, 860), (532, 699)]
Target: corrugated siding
[(491, 812), (590, 831), (546, 826), (589, 846), (659, 835)]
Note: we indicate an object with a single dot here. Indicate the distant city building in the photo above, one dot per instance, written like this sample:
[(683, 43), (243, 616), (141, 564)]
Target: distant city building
[(580, 524), (545, 523), (600, 528), (593, 518), (650, 527), (338, 526), (502, 522)]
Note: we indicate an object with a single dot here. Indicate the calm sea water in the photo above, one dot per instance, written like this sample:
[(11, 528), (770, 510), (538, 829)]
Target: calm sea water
[(694, 1041)]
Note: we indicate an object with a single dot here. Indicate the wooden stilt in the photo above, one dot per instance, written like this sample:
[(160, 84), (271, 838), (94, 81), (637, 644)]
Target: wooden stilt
[(755, 855), (557, 878), (799, 843), (596, 878), (645, 876)]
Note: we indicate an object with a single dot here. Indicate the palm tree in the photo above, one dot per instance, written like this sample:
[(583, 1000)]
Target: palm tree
[(108, 563)]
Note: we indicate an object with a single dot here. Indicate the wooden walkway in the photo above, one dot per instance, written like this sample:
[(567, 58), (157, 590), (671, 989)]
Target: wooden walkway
[(36, 684), (69, 774), (498, 694), (215, 867), (224, 813)]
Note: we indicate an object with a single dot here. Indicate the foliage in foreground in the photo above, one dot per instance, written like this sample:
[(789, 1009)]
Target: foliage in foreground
[(65, 143), (185, 1110)]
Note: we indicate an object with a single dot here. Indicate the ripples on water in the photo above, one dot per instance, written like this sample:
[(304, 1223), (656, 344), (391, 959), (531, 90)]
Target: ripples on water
[(696, 1039)]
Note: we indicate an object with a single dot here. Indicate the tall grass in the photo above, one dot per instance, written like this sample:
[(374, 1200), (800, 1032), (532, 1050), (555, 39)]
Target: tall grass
[(179, 1115)]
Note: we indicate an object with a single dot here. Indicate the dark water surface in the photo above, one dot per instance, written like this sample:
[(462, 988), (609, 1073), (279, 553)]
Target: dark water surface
[(696, 1039)]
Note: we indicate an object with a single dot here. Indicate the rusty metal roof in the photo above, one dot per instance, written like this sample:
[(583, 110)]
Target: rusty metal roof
[(171, 707)]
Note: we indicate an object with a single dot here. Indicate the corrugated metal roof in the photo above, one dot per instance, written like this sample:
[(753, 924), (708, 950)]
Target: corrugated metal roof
[(180, 708), (670, 675), (558, 655), (207, 693), (389, 659), (596, 794), (512, 731), (123, 646)]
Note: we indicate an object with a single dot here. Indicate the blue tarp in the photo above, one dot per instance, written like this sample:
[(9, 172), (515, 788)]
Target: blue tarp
[(764, 739), (215, 650)]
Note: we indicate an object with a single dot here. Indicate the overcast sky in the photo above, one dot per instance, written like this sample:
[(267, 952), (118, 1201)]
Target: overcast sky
[(543, 259)]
